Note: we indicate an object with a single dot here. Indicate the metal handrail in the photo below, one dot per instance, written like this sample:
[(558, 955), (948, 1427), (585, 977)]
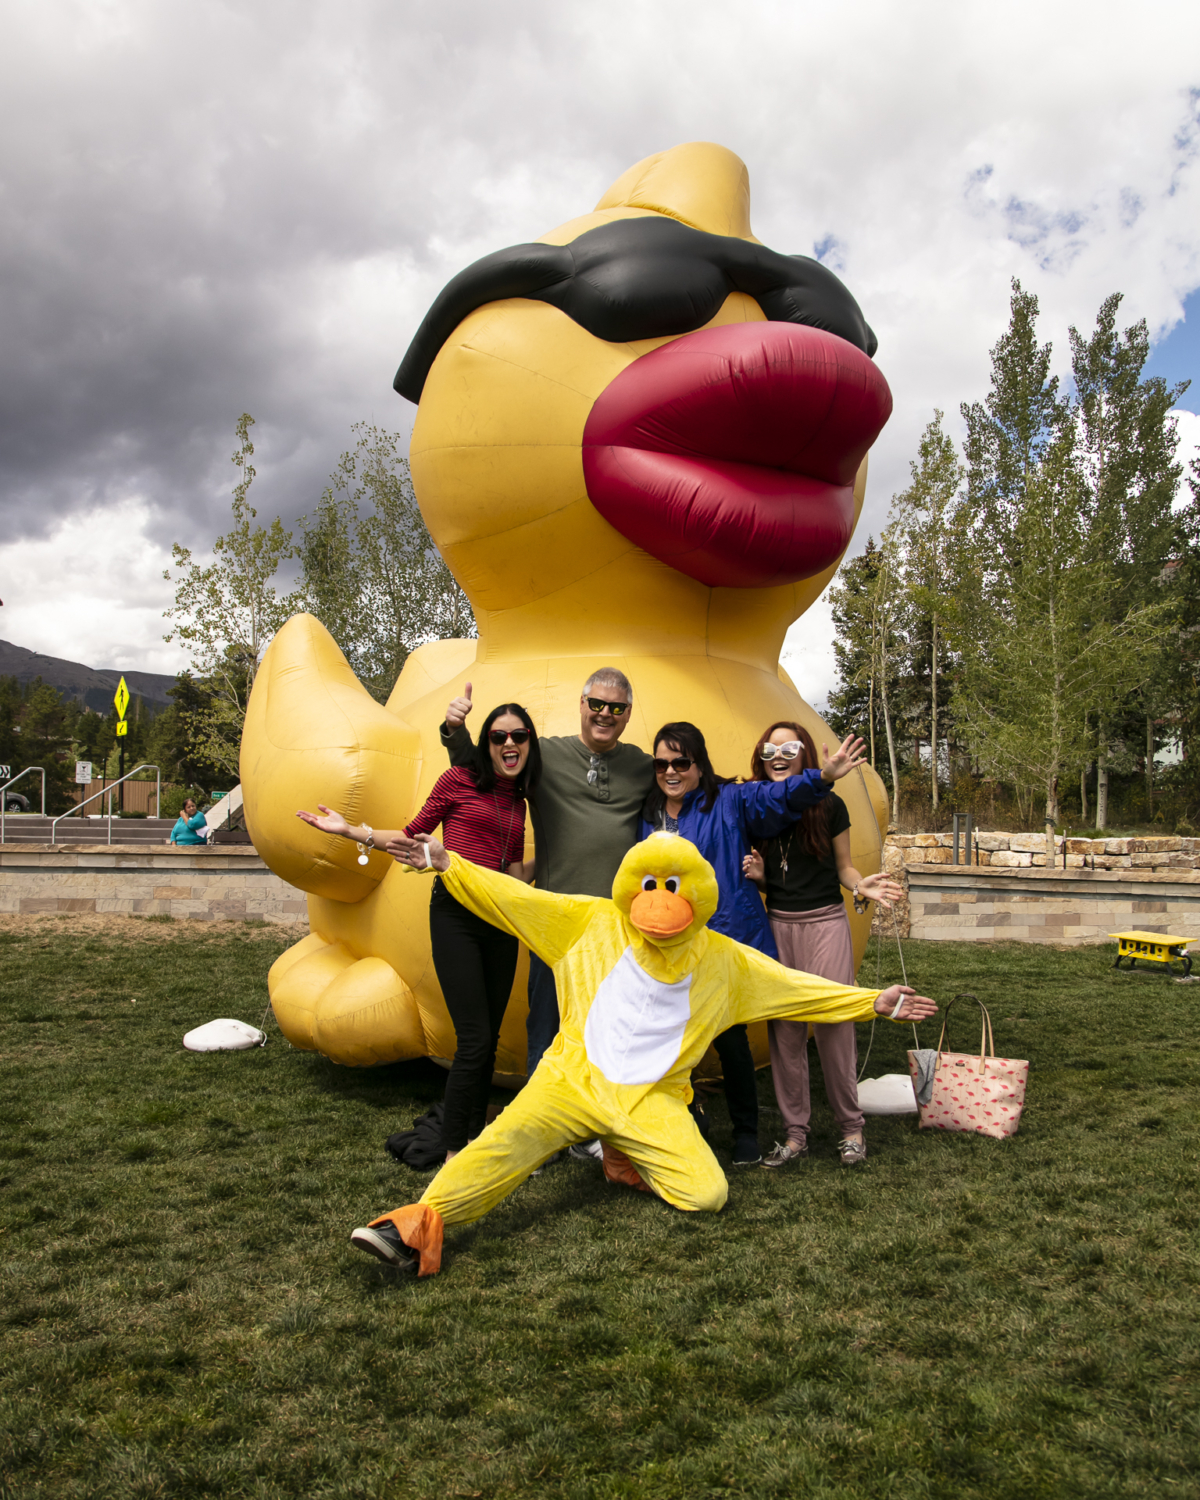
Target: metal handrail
[(108, 791), (13, 782)]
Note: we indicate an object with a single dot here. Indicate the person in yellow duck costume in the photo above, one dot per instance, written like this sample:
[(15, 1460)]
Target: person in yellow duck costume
[(643, 988), (640, 442)]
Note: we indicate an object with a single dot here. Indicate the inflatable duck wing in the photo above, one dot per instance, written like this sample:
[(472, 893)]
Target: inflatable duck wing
[(640, 442), (643, 988)]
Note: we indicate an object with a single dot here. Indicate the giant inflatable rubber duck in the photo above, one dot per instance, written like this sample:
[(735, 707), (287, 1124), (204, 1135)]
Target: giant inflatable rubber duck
[(640, 442), (643, 987)]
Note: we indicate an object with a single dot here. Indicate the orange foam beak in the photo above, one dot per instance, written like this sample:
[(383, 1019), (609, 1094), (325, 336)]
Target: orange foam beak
[(660, 914)]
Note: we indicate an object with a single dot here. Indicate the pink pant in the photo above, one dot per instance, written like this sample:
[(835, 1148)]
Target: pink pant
[(818, 942)]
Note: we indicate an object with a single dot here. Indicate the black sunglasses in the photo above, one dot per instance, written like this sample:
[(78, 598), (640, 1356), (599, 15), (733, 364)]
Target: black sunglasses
[(502, 736), (680, 763), (598, 705)]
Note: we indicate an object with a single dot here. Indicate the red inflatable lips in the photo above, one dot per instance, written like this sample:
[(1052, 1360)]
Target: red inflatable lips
[(730, 454)]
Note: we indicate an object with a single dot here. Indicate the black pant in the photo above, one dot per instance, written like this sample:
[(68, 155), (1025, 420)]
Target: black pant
[(475, 964), (741, 1088)]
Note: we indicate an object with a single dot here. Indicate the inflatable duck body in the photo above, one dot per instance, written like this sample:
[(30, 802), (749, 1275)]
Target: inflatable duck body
[(643, 988), (640, 442)]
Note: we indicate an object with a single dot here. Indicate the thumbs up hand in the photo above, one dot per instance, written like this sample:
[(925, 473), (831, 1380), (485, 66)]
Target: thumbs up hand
[(459, 708)]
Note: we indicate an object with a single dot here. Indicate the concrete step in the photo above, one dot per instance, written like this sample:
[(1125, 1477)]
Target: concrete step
[(32, 828)]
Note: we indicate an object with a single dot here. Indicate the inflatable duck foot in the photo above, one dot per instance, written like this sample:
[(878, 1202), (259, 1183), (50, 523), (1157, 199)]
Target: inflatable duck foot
[(355, 1011)]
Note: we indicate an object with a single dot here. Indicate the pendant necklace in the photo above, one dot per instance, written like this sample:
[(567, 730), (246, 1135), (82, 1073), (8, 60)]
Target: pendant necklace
[(784, 849), (505, 833)]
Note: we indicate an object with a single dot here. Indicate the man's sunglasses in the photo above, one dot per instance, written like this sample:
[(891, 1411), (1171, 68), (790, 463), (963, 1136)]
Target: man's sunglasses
[(598, 705), (790, 751), (680, 763), (502, 736)]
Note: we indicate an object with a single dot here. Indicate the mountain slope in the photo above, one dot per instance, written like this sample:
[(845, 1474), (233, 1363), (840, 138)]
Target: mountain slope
[(92, 686)]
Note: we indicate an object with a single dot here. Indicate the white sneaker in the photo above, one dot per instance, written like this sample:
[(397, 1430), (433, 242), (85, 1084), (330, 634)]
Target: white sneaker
[(587, 1151)]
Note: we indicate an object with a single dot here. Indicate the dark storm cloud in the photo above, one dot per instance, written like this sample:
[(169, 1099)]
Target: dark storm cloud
[(190, 199), (219, 208)]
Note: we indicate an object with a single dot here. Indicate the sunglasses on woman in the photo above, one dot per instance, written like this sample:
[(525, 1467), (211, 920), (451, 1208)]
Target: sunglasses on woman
[(790, 751), (598, 706), (502, 736), (680, 763)]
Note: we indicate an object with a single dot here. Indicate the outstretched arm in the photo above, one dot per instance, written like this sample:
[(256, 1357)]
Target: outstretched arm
[(333, 822), (763, 990), (547, 923)]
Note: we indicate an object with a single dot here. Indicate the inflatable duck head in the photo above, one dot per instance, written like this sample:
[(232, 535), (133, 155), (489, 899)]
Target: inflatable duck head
[(666, 889), (645, 404)]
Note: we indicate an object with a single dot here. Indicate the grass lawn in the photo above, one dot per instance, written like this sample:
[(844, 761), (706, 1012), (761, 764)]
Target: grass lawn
[(182, 1315)]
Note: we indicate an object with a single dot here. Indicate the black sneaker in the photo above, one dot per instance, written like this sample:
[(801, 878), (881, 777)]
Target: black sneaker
[(696, 1110), (384, 1242), (746, 1152), (587, 1151)]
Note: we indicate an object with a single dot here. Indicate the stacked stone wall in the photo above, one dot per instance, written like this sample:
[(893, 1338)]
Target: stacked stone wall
[(1015, 851), (1008, 888), (225, 884)]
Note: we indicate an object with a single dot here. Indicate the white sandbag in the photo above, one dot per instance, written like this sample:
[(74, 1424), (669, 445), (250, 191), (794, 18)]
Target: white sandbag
[(890, 1095), (224, 1036)]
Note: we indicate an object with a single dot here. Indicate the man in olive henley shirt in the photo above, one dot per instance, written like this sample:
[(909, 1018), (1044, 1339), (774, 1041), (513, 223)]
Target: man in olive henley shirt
[(585, 814)]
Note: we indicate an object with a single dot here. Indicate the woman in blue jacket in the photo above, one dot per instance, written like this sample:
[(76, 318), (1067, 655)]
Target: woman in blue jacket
[(188, 826), (721, 816)]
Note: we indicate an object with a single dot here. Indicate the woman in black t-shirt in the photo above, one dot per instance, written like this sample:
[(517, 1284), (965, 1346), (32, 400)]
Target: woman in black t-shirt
[(803, 871)]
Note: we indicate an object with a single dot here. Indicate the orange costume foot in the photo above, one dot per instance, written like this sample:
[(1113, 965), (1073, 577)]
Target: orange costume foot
[(421, 1229), (618, 1168)]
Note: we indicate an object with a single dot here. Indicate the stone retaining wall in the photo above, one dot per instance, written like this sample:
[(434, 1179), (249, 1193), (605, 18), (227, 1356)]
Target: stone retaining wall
[(1015, 851), (1042, 906), (226, 883), (1014, 892)]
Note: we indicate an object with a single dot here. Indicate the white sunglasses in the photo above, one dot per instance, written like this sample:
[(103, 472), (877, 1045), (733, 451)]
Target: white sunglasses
[(789, 751)]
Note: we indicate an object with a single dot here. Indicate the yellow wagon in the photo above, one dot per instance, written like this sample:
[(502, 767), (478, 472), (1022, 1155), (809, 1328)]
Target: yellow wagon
[(1152, 948)]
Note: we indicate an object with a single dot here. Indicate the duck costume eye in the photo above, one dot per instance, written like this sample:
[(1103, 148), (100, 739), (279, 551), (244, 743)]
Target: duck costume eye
[(666, 888)]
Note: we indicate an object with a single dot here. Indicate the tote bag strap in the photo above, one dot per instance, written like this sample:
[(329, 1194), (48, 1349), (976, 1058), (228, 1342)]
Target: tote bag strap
[(987, 1045)]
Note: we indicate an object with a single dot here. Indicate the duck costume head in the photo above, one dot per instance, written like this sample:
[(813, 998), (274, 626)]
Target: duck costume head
[(640, 441), (666, 890), (643, 987)]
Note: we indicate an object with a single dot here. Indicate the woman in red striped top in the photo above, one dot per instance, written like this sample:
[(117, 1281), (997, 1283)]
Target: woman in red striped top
[(482, 812)]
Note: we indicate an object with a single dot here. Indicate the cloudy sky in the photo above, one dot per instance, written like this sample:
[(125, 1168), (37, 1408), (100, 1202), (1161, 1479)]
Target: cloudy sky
[(219, 208)]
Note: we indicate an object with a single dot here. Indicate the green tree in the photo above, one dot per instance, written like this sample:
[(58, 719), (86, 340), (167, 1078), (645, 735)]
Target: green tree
[(170, 742), (1010, 430), (1040, 653), (1127, 448), (11, 699), (371, 573), (928, 516), (227, 612), (868, 606), (44, 729)]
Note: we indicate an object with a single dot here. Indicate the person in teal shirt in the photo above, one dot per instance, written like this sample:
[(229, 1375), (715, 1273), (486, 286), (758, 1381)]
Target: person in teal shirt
[(189, 827)]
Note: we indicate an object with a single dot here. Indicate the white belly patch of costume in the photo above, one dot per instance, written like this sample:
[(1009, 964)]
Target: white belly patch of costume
[(635, 1026)]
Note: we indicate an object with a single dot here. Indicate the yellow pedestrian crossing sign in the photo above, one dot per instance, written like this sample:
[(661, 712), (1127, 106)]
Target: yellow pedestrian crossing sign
[(121, 699), (122, 728)]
